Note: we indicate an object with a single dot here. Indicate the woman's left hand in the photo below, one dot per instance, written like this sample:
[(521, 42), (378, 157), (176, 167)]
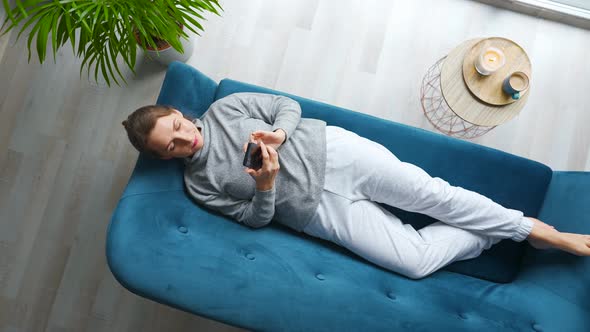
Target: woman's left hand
[(273, 139)]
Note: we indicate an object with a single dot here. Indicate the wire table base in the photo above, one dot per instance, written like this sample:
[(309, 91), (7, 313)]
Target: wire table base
[(438, 112)]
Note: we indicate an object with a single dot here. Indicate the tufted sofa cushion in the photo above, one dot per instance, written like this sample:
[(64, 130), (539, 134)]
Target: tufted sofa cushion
[(273, 279)]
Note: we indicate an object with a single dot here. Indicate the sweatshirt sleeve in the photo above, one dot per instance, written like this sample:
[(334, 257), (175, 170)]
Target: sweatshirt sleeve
[(279, 111), (255, 213)]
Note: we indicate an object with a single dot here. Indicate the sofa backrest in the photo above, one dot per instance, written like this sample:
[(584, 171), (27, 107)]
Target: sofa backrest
[(507, 179)]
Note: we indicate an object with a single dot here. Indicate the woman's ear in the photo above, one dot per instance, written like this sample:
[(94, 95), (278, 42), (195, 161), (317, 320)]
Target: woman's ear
[(177, 111)]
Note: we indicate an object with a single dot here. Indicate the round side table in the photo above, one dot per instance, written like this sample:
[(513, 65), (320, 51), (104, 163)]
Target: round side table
[(449, 103)]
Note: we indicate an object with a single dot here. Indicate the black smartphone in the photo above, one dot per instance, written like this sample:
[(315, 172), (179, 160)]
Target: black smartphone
[(253, 156)]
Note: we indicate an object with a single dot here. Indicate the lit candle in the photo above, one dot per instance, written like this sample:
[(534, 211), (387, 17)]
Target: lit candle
[(490, 60)]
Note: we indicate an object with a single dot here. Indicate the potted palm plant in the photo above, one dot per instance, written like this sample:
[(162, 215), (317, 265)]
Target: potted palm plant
[(101, 31)]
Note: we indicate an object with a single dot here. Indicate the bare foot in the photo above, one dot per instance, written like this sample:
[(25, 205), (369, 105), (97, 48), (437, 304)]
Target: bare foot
[(543, 236), (577, 244)]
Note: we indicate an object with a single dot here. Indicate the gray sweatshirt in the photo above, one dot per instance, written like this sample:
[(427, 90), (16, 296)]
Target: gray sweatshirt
[(214, 176)]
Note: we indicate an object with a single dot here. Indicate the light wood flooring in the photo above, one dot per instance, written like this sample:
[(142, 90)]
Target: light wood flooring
[(65, 160)]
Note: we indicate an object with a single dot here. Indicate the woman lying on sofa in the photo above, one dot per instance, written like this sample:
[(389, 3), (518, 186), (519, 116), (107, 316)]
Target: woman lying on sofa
[(328, 183)]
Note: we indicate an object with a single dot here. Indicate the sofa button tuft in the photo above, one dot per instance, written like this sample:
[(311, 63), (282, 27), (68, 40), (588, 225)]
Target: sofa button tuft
[(250, 256), (182, 229), (391, 295), (537, 327), (462, 315), (320, 276)]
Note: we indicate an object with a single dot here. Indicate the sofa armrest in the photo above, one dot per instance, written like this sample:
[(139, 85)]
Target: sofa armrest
[(567, 207), (187, 89)]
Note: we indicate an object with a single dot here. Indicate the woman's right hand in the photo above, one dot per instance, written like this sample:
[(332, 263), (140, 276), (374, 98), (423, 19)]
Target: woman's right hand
[(265, 176)]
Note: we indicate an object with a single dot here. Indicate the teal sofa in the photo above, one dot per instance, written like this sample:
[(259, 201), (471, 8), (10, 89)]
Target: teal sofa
[(164, 247)]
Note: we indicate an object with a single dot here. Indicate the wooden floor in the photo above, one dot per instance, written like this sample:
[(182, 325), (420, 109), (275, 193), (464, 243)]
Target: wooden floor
[(65, 160)]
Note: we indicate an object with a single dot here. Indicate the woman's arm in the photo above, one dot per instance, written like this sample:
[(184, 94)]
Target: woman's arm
[(259, 211), (255, 213), (279, 111)]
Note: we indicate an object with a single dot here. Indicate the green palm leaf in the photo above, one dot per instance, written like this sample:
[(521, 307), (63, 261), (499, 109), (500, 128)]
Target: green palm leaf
[(106, 28)]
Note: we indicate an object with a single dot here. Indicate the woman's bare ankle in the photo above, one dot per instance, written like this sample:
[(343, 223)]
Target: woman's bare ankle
[(544, 234)]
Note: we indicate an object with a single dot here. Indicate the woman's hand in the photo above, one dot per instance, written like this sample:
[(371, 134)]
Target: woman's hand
[(265, 176), (273, 139)]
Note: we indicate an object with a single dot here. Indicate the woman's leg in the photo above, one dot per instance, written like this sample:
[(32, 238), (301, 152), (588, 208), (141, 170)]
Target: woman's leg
[(372, 232), (378, 175), (346, 217)]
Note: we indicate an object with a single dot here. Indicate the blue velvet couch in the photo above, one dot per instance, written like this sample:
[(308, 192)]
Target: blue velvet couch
[(164, 247)]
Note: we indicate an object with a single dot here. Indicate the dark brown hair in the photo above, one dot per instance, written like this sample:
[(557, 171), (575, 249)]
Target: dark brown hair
[(140, 123)]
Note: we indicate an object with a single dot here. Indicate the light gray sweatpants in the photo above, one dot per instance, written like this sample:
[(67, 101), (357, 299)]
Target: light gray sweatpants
[(360, 172)]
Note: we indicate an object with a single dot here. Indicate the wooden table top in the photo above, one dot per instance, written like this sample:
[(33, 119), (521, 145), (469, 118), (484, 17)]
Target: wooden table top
[(489, 88), (463, 102)]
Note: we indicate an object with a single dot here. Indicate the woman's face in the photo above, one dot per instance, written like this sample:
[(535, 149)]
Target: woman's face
[(174, 136)]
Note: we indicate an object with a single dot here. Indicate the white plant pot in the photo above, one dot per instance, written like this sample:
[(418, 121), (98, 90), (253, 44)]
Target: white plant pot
[(167, 55)]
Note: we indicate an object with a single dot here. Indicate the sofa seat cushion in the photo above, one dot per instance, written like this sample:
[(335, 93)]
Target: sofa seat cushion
[(509, 180), (163, 247)]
